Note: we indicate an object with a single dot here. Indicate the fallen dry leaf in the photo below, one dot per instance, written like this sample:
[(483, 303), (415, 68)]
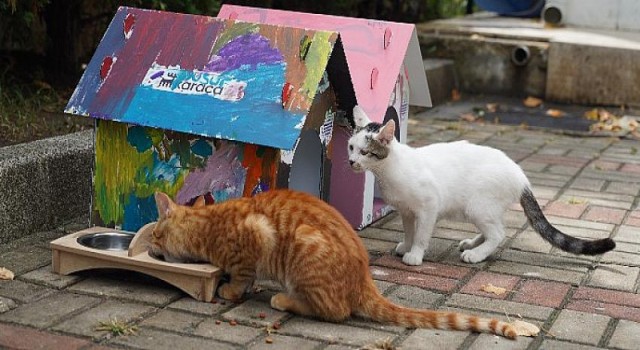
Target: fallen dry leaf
[(555, 113), (468, 117), (532, 102), (525, 329), (490, 288), (492, 107), (6, 274), (455, 95), (591, 114)]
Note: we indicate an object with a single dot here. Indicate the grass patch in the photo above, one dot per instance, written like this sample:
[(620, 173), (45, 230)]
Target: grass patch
[(117, 328)]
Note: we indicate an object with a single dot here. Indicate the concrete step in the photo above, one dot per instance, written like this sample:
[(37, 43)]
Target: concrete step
[(442, 80), (520, 57), (44, 183)]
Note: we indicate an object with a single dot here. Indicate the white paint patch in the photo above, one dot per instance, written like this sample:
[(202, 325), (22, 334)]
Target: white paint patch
[(377, 272), (326, 129)]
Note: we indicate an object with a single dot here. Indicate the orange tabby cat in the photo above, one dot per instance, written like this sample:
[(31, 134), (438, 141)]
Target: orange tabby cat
[(301, 242)]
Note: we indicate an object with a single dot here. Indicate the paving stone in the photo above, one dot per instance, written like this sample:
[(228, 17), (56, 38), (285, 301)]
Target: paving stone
[(550, 344), (25, 259), (188, 304), (598, 226), (530, 241), (543, 293), (457, 225), (626, 336), (624, 254), (163, 340), (434, 339), (562, 208), (414, 279), (545, 192), (631, 168), (563, 170), (14, 337), (605, 165), (154, 293), (621, 187), (250, 310), (415, 297), (579, 326), (85, 323), (283, 342), (7, 304), (173, 321), (613, 310), (587, 233), (383, 286), (429, 268), (629, 234), (238, 334), (22, 291), (490, 341), (325, 331), (609, 175), (607, 296), (581, 183), (499, 306), (572, 263), (339, 347), (381, 234), (615, 277), (604, 199), (474, 286), (633, 219), (375, 245), (47, 311), (548, 273), (602, 214), (46, 276), (394, 223)]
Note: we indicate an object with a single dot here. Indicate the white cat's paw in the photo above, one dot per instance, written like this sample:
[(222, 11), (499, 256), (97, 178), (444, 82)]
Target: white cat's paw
[(413, 259), (466, 244), (472, 256), (402, 248)]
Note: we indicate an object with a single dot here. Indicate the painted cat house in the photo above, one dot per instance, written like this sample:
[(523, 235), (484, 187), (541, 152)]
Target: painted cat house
[(387, 73), (194, 105)]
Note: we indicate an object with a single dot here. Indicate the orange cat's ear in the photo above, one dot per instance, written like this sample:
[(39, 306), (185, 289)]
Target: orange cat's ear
[(200, 202), (165, 205)]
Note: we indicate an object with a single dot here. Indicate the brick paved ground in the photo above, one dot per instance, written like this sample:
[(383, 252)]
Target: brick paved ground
[(589, 187)]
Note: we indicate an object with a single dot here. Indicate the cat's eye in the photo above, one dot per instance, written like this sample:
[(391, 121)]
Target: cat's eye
[(350, 147), (363, 152)]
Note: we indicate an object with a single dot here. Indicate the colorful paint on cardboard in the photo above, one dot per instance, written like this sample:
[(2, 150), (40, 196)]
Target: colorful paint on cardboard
[(204, 76), (132, 162), (376, 51)]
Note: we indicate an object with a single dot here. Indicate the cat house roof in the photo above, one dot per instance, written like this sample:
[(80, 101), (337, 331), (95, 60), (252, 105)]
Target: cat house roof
[(213, 77), (375, 52)]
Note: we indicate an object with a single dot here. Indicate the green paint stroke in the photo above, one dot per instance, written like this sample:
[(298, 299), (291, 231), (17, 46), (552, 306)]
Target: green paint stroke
[(316, 61), (232, 32)]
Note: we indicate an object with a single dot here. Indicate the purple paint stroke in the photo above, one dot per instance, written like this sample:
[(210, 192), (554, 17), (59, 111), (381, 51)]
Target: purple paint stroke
[(157, 74), (223, 171), (247, 49)]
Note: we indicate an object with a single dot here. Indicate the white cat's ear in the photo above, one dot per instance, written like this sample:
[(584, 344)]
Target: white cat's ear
[(360, 117), (387, 132), (165, 205)]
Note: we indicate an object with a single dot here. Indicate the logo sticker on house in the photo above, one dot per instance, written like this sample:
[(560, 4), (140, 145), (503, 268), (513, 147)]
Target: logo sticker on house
[(180, 81)]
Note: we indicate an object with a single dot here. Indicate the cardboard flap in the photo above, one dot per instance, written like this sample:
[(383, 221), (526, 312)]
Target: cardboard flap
[(212, 77), (375, 52)]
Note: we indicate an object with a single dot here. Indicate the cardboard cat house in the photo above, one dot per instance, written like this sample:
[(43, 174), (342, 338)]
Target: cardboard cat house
[(387, 73)]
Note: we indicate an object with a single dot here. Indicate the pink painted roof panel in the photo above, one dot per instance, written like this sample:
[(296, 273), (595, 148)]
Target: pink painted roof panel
[(374, 69)]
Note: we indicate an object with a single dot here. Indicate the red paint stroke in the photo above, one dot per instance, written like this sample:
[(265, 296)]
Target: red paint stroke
[(286, 93), (129, 21), (105, 68), (387, 38), (374, 77)]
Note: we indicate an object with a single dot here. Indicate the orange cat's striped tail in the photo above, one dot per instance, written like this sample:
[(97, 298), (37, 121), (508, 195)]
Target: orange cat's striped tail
[(377, 308)]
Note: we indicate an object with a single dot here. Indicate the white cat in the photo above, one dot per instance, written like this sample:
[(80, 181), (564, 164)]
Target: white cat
[(456, 180)]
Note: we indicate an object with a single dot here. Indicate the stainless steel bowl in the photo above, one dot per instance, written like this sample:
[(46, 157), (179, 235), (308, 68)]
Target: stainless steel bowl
[(106, 240)]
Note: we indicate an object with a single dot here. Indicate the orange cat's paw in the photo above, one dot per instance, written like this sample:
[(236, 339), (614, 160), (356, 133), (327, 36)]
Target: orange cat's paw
[(227, 292), (279, 302)]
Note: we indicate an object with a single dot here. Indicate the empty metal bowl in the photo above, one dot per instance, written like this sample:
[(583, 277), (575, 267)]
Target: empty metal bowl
[(106, 240)]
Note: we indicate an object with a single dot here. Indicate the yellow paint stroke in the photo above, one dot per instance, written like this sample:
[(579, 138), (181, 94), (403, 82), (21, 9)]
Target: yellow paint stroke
[(232, 31), (317, 60)]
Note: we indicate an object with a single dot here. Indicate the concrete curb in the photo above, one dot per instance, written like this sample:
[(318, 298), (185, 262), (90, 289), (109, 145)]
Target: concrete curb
[(44, 183)]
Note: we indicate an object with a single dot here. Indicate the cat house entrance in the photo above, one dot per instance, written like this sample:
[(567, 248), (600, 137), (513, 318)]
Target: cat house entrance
[(306, 171)]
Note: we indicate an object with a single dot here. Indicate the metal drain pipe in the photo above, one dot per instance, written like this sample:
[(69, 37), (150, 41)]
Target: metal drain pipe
[(520, 55)]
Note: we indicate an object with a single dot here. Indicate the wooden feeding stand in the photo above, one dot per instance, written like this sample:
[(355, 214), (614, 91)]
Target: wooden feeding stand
[(69, 256)]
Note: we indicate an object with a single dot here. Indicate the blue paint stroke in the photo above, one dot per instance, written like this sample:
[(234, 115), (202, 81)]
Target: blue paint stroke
[(202, 148), (138, 138), (167, 171), (138, 212)]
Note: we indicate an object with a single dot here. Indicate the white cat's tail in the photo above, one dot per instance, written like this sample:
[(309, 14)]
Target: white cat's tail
[(558, 239)]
